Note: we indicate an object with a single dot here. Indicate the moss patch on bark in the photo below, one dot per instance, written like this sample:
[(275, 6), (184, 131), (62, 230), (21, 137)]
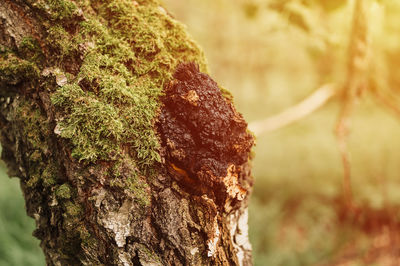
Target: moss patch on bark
[(114, 62), (127, 55)]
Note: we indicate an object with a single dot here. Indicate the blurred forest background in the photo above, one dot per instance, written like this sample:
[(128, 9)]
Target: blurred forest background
[(272, 54)]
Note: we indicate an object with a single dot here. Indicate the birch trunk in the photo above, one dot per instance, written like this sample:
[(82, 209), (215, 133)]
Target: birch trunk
[(127, 153)]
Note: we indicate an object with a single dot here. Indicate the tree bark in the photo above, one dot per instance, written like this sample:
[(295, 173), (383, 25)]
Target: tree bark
[(127, 153)]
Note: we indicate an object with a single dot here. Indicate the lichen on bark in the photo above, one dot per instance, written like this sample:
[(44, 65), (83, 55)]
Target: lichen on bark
[(80, 95)]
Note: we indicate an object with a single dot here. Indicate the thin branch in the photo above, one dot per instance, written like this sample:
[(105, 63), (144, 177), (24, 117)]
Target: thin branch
[(355, 83), (296, 112)]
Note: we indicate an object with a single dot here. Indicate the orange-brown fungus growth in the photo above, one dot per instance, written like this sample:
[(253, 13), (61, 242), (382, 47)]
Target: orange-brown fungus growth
[(203, 136)]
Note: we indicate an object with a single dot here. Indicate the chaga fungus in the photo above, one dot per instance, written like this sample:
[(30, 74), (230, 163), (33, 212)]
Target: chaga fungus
[(206, 142)]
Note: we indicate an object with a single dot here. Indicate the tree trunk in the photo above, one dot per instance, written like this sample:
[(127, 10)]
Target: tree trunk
[(127, 153)]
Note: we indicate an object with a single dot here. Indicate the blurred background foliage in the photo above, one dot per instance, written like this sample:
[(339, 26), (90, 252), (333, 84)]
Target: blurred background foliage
[(17, 245), (271, 54)]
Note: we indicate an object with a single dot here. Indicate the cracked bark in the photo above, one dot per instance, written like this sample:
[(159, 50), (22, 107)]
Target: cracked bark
[(196, 211)]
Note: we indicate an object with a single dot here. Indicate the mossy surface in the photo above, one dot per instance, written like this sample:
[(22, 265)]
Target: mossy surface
[(34, 128), (126, 176), (55, 10), (14, 70), (128, 53), (104, 72), (64, 191), (29, 48), (72, 209), (112, 64)]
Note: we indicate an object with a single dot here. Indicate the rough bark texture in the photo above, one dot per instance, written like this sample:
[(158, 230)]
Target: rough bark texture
[(127, 154)]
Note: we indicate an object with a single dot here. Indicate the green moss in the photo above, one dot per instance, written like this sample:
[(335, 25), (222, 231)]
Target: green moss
[(125, 176), (141, 191), (113, 101), (29, 49), (62, 9), (56, 9), (36, 156), (14, 70), (226, 93), (138, 190), (147, 255), (63, 192), (72, 209), (33, 180), (94, 126), (35, 124), (88, 241), (58, 39), (35, 129), (117, 60), (49, 176)]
